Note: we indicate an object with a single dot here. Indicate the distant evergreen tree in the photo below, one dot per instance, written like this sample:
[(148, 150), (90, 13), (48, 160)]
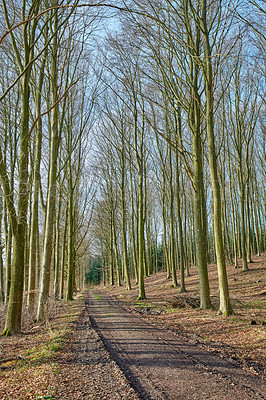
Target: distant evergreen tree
[(94, 274)]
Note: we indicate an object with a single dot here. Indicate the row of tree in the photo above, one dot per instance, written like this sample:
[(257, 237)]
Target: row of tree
[(48, 92), (181, 143), (172, 174)]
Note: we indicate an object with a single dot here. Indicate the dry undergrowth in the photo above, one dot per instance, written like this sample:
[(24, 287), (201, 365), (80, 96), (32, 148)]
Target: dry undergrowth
[(28, 364)]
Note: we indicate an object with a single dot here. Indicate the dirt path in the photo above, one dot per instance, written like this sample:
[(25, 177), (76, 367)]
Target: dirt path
[(160, 365), (86, 371)]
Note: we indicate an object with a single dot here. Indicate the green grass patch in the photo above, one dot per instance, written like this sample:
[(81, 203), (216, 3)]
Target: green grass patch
[(45, 351), (97, 297), (138, 304), (172, 310), (56, 347), (259, 305)]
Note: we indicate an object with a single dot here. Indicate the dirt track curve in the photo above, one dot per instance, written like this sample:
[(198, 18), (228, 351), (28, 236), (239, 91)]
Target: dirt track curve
[(160, 365)]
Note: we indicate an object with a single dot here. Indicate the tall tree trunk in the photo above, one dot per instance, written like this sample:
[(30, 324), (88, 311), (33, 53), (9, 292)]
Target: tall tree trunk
[(57, 250), (225, 306), (70, 261), (255, 212), (124, 216), (14, 310), (142, 294), (165, 243), (186, 237), (200, 242), (132, 230), (8, 250), (35, 200), (51, 196), (200, 230), (111, 252), (63, 254), (248, 225), (242, 219), (2, 293), (117, 260), (233, 217), (49, 225), (172, 245), (179, 218)]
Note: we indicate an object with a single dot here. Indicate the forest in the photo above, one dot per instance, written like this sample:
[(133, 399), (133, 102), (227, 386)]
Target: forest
[(132, 141), (132, 199)]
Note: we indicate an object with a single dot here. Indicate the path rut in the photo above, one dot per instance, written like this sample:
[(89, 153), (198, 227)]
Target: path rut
[(160, 365)]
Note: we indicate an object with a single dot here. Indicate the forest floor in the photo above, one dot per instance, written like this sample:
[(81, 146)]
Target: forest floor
[(67, 358)]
